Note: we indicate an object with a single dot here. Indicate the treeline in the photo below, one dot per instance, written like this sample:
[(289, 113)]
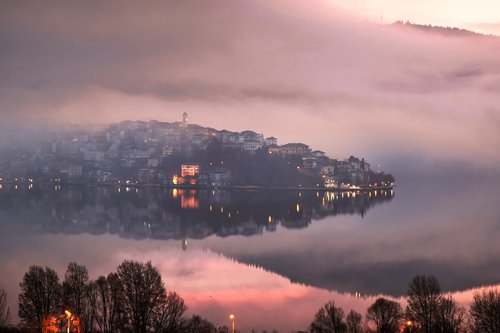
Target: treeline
[(428, 310), (134, 300)]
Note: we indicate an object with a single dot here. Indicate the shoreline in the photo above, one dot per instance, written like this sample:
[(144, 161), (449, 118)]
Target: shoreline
[(363, 188)]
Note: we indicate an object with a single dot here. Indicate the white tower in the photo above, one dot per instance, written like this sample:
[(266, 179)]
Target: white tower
[(184, 119)]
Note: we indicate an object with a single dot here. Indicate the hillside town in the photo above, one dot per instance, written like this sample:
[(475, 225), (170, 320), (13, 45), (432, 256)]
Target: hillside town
[(136, 153)]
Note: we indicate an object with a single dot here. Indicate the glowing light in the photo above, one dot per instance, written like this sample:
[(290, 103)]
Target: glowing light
[(232, 317), (270, 219), (297, 208)]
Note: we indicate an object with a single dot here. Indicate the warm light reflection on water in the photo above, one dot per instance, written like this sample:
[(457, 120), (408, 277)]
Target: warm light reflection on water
[(261, 253)]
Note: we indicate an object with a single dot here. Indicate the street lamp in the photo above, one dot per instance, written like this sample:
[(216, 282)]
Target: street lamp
[(232, 317), (409, 324), (68, 316)]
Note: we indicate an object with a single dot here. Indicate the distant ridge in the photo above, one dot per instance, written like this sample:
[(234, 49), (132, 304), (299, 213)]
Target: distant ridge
[(445, 31)]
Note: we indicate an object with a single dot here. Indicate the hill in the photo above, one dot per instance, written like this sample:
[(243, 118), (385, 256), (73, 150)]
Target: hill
[(444, 31)]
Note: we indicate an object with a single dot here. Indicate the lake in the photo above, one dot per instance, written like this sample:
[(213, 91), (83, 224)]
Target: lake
[(262, 255)]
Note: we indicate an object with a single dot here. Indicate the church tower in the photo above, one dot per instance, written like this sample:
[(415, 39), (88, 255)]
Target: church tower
[(184, 119)]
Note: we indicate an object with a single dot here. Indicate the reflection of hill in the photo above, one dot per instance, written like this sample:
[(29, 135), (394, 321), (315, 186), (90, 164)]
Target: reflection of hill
[(175, 214), (389, 278)]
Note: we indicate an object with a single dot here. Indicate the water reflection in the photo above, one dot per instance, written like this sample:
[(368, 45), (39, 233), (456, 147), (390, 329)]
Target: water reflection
[(259, 253), (176, 213)]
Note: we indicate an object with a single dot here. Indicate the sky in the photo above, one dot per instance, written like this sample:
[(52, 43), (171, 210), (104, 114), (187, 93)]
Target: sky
[(331, 74), (481, 16)]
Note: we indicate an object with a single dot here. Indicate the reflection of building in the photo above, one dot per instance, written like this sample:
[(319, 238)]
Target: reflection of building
[(188, 199), (181, 213)]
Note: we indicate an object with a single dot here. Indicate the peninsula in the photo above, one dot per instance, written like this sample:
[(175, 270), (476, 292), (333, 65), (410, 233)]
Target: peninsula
[(179, 154)]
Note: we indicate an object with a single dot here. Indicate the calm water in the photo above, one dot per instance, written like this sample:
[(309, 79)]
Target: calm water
[(257, 254)]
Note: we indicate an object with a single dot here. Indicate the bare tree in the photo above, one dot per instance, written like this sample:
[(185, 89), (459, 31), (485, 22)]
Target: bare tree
[(329, 319), (386, 315), (105, 296), (75, 285), (40, 297), (197, 324), (485, 312), (171, 314), (424, 296), (450, 317), (147, 308), (4, 309), (353, 321)]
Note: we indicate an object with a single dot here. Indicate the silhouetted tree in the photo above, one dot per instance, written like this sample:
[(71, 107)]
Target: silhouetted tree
[(485, 312), (40, 297), (424, 295), (4, 309), (75, 285), (170, 316), (353, 321), (450, 317), (329, 319), (146, 306), (105, 295), (197, 324), (386, 315)]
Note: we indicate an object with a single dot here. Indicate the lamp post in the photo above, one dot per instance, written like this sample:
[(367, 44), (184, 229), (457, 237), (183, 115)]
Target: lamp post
[(68, 316), (232, 317), (409, 324)]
